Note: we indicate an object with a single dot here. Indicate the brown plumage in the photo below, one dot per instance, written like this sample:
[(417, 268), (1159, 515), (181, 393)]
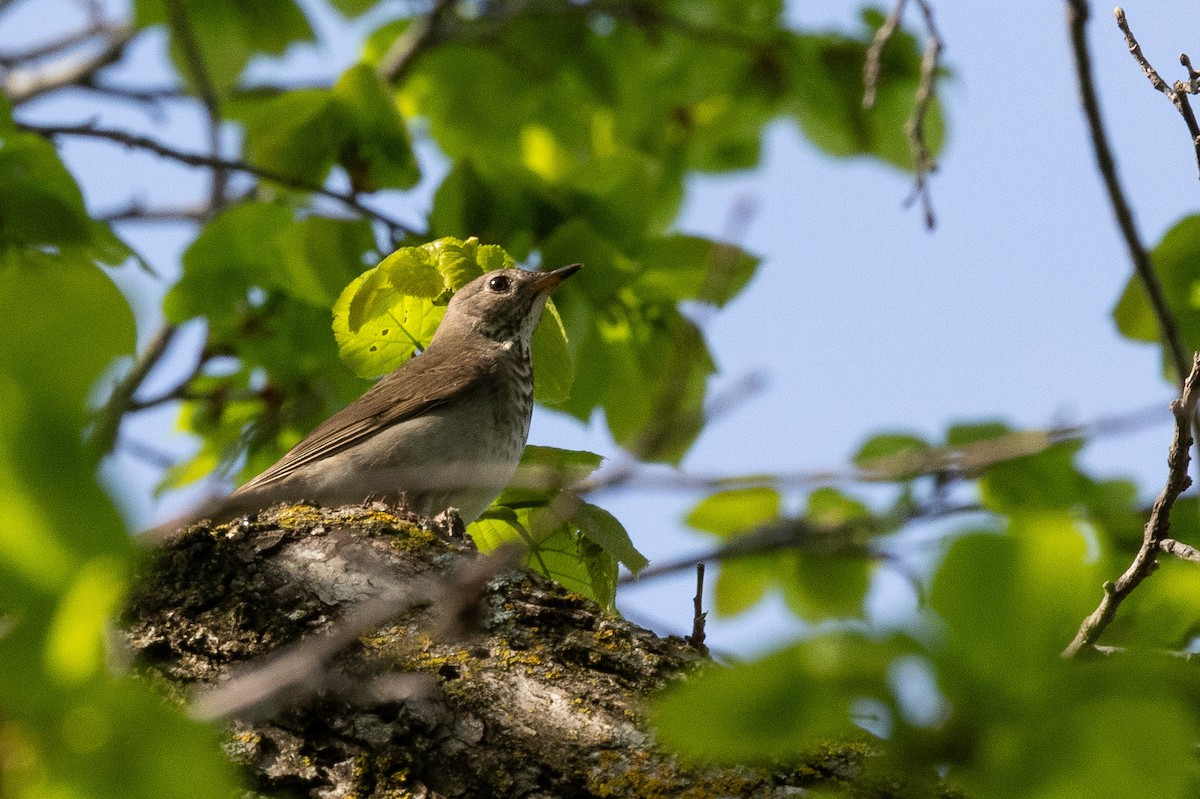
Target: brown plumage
[(444, 430)]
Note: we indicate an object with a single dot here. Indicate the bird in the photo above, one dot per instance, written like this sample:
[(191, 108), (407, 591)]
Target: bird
[(444, 430)]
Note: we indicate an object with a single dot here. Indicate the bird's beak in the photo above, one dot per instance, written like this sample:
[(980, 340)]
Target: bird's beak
[(549, 280)]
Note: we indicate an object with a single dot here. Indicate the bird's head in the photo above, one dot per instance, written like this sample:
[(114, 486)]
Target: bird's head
[(504, 305)]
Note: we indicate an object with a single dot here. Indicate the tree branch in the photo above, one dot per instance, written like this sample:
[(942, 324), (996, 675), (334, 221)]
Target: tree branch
[(108, 420), (185, 34), (1077, 17), (418, 37), (1177, 94), (914, 127), (1157, 526), (22, 85), (197, 160)]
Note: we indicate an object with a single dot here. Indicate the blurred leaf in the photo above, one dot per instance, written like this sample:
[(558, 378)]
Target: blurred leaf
[(375, 149), (728, 513), (778, 706), (320, 255), (1175, 260), (297, 134), (353, 8), (229, 32), (896, 455), (691, 268), (743, 582), (827, 74), (234, 252), (40, 204)]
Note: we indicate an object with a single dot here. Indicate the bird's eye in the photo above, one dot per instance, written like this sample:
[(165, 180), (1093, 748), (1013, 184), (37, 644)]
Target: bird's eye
[(498, 283)]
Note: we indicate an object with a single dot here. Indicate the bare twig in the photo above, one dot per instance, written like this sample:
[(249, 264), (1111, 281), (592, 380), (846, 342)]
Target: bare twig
[(137, 211), (1157, 526), (874, 61), (1178, 93), (108, 420), (22, 85), (1179, 550), (201, 78), (923, 162), (106, 30), (699, 614), (407, 48), (198, 160), (946, 464)]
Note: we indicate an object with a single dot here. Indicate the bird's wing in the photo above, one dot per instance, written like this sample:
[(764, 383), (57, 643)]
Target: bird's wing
[(422, 384)]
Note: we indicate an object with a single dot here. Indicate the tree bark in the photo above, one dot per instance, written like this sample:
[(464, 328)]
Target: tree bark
[(540, 694)]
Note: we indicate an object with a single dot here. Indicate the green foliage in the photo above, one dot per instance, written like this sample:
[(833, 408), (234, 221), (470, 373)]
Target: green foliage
[(355, 124), (574, 542), (70, 728), (1175, 260), (228, 32), (571, 131), (820, 569), (827, 72), (391, 312), (1003, 713)]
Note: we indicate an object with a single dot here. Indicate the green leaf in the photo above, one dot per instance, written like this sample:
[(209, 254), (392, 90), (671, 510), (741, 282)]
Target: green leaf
[(896, 455), (826, 585), (375, 151), (743, 582), (601, 527), (544, 471), (691, 268), (728, 513), (298, 133), (353, 8), (1175, 262), (229, 32), (40, 204), (553, 371), (778, 706), (234, 252), (390, 312), (320, 255)]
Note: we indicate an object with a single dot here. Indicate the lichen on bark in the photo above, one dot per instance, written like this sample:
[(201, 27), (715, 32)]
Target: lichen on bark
[(545, 697)]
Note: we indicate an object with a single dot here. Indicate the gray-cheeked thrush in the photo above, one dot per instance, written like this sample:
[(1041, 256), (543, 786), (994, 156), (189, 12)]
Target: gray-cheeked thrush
[(445, 430)]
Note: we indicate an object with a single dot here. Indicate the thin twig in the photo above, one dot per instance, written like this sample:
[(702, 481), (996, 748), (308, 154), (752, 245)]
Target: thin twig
[(946, 464), (138, 212), (1179, 550), (874, 61), (22, 85), (1077, 17), (201, 77), (108, 420), (198, 160), (914, 127), (699, 614), (106, 30), (399, 59), (1177, 94), (1157, 526)]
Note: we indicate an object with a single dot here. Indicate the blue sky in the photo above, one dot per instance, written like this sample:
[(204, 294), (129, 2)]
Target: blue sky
[(859, 319)]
